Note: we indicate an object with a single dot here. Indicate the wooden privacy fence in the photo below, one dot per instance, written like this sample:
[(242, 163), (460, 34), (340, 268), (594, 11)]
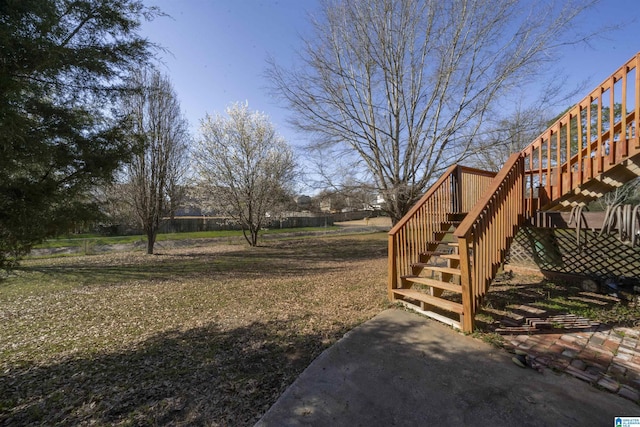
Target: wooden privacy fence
[(486, 232), (457, 191), (589, 139)]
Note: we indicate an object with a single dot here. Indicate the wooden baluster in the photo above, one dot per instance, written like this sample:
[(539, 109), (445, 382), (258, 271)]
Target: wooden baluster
[(579, 147), (600, 151), (612, 119), (623, 110), (637, 103), (589, 146)]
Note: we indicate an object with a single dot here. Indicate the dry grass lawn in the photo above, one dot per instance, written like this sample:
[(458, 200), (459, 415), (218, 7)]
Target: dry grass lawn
[(199, 336)]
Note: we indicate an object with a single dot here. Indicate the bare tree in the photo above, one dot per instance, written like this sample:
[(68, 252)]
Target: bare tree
[(518, 125), (247, 166), (160, 137), (508, 135), (400, 89)]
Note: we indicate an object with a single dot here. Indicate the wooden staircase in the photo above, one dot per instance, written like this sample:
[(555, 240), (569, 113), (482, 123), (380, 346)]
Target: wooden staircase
[(436, 277), (443, 259), (424, 261)]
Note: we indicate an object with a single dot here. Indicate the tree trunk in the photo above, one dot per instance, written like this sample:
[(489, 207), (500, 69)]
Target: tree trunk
[(254, 237), (151, 241), (398, 209), (394, 218), (248, 237)]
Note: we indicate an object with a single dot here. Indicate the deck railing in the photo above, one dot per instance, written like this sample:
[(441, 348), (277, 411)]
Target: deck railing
[(486, 232), (589, 139), (457, 190)]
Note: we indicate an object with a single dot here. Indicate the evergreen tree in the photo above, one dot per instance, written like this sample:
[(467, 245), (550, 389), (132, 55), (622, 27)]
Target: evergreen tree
[(62, 63)]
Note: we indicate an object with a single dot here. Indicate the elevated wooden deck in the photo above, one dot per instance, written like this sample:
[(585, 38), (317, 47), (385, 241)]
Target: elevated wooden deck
[(443, 259)]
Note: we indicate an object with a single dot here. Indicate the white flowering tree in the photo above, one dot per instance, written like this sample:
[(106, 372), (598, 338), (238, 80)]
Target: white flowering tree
[(246, 165)]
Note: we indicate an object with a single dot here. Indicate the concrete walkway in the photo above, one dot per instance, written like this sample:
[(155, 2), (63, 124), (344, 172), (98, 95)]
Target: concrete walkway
[(402, 369)]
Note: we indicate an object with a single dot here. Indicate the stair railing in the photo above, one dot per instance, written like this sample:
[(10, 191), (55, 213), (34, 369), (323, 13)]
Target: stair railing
[(457, 190), (590, 138), (486, 233)]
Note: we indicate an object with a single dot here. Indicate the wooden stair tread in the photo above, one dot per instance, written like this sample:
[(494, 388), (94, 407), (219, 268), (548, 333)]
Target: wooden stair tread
[(426, 265), (431, 300), (441, 235), (434, 283), (448, 270), (434, 253), (450, 256), (437, 242), (455, 244)]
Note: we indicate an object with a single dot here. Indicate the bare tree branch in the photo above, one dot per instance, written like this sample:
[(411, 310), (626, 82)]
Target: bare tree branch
[(404, 87), (160, 137)]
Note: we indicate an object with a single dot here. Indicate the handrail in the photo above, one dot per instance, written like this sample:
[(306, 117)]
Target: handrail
[(486, 232), (588, 139), (580, 145), (456, 191), (584, 153), (412, 212)]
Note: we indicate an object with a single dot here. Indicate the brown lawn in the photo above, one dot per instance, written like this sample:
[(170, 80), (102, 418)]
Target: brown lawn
[(205, 336)]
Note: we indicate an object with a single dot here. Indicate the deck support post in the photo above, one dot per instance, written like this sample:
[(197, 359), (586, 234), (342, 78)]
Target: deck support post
[(466, 280), (392, 267)]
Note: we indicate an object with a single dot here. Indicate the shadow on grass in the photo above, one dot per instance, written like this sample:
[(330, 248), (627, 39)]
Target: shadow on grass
[(276, 258), (201, 376), (383, 375), (555, 306), (306, 252)]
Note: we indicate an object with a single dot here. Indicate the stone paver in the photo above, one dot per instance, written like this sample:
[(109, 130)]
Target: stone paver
[(601, 355)]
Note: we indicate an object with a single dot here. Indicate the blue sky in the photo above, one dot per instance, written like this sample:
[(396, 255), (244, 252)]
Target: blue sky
[(218, 51), (218, 48)]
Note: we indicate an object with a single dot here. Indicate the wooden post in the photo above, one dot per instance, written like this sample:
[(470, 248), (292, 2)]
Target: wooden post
[(601, 153), (466, 280), (558, 166), (589, 145), (548, 187), (569, 185), (393, 266), (580, 161)]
